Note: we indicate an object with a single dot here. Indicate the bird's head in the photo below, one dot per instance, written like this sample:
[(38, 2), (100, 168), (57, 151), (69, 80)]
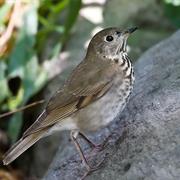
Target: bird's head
[(110, 42)]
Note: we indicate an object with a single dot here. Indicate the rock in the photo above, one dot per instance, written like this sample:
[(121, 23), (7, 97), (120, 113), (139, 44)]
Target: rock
[(144, 141)]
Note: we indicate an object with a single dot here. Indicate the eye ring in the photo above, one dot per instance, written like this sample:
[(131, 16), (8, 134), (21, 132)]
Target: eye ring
[(109, 38)]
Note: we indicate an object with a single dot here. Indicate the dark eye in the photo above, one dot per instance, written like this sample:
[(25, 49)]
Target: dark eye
[(109, 38)]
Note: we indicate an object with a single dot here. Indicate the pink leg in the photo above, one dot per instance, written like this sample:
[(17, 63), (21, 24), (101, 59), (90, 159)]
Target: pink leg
[(83, 158), (96, 147)]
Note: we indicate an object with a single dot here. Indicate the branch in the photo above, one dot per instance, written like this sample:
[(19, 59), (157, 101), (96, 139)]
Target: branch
[(22, 108)]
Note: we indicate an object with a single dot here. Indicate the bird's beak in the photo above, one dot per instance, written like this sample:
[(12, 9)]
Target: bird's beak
[(129, 31), (125, 34)]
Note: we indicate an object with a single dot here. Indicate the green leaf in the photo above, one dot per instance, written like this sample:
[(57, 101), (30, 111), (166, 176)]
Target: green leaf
[(14, 101), (56, 50), (173, 2), (23, 49), (45, 22), (173, 13), (15, 126), (59, 7), (23, 63), (4, 11), (4, 91), (34, 79), (73, 11)]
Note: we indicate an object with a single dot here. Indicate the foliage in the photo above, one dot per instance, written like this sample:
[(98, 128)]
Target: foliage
[(172, 10), (48, 17), (20, 54)]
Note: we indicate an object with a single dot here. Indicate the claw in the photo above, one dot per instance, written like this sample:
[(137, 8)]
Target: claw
[(92, 169), (89, 168)]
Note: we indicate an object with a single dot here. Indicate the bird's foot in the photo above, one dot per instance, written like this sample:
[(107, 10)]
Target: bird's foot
[(98, 147), (91, 169)]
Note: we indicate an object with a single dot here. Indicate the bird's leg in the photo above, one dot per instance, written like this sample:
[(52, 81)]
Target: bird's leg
[(89, 168), (91, 143), (74, 135), (96, 147)]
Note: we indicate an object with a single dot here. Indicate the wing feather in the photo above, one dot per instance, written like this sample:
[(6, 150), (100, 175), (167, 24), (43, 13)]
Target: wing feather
[(75, 94)]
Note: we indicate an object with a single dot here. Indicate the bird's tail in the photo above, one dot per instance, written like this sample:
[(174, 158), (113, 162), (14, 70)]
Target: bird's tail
[(22, 145)]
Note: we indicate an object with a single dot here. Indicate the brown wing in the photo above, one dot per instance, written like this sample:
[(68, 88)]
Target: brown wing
[(61, 112), (76, 94)]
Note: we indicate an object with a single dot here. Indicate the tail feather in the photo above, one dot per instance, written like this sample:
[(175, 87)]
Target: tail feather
[(22, 145)]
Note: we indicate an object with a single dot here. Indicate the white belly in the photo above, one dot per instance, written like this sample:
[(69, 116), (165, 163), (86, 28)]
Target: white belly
[(104, 110)]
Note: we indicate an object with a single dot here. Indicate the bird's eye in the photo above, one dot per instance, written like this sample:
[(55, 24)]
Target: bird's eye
[(109, 38)]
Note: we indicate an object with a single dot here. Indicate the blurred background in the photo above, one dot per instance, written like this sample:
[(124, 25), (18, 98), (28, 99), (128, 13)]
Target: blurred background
[(41, 41)]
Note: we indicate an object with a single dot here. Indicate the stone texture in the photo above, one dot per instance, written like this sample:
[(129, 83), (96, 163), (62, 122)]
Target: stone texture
[(144, 140)]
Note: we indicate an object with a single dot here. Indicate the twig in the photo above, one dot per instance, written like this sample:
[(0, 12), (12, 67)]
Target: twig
[(22, 108)]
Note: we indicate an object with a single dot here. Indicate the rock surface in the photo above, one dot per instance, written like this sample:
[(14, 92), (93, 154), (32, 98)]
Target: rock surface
[(144, 141)]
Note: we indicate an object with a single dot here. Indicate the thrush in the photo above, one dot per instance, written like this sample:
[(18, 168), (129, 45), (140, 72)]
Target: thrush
[(94, 94)]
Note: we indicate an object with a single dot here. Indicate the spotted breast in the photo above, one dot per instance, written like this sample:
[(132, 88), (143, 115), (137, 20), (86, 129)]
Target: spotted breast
[(103, 111)]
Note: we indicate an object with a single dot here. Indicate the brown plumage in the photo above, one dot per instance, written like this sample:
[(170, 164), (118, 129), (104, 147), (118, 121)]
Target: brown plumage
[(101, 83)]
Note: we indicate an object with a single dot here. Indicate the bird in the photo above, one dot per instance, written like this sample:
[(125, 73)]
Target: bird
[(96, 91)]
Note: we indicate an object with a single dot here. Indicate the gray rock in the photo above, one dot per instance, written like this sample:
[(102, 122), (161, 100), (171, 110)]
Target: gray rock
[(144, 141)]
